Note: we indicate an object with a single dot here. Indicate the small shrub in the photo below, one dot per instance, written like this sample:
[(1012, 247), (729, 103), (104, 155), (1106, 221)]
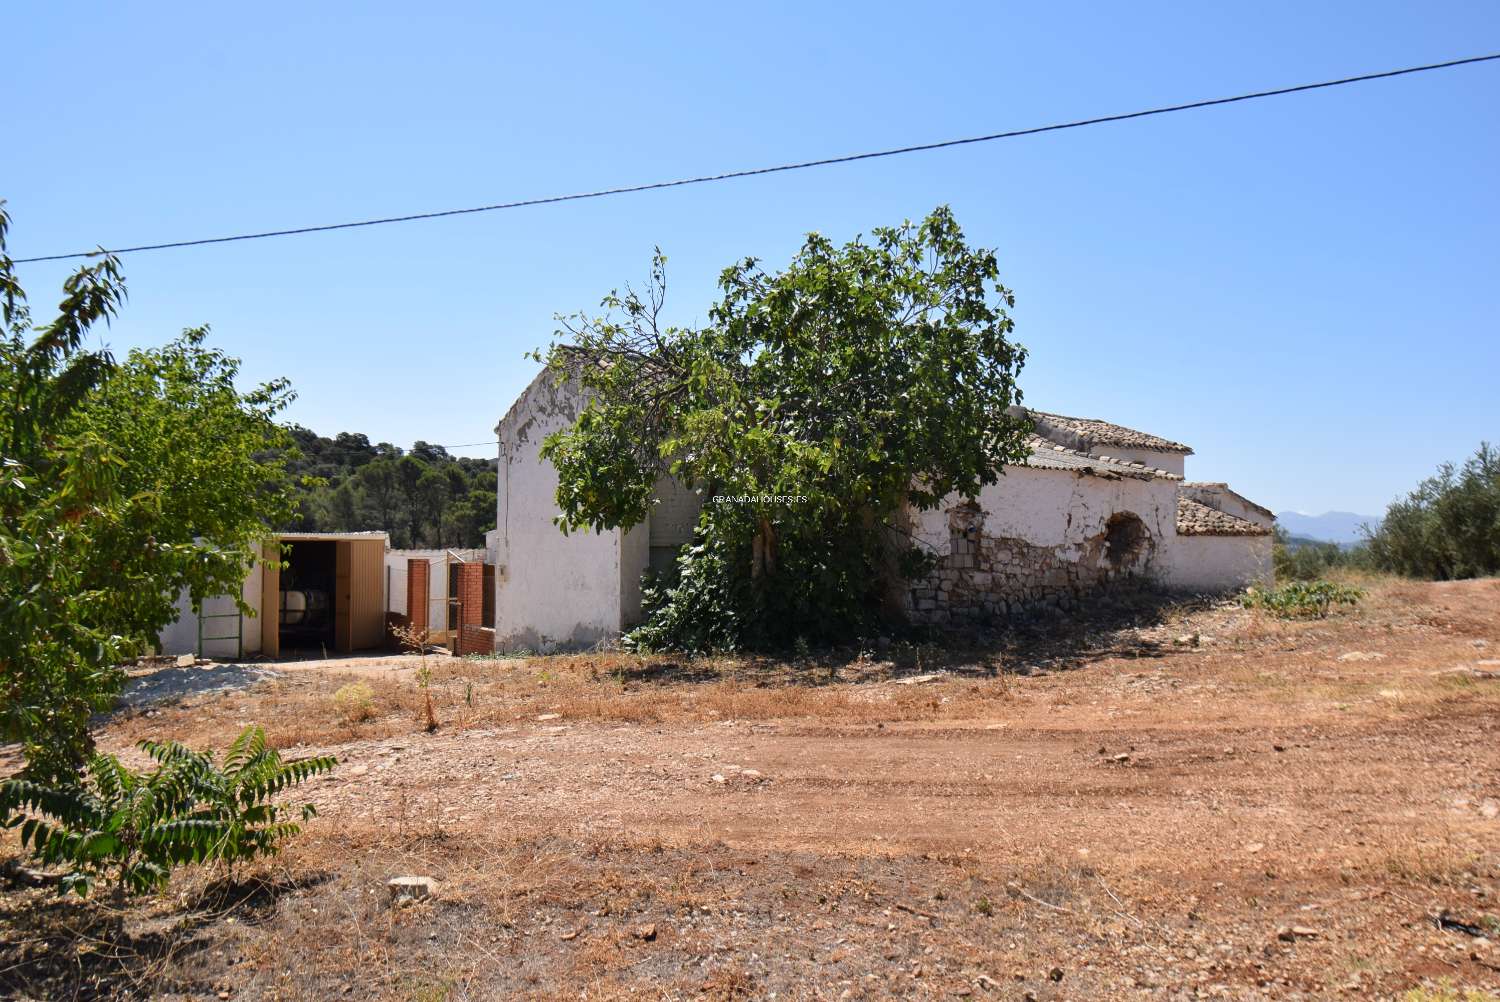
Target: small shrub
[(134, 827), (416, 641), (356, 701), (1302, 599)]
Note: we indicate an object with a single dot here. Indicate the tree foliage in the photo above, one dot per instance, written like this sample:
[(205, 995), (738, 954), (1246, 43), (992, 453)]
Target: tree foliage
[(120, 485), (1300, 559), (812, 408), (423, 498), (1449, 527), (134, 827)]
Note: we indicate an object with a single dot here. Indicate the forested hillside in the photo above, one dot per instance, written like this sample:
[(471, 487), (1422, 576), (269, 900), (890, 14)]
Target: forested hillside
[(423, 498)]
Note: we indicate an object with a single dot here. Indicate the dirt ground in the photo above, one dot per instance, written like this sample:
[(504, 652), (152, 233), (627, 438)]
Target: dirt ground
[(1158, 803)]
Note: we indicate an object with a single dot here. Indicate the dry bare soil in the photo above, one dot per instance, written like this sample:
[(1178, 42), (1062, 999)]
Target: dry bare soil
[(1190, 803)]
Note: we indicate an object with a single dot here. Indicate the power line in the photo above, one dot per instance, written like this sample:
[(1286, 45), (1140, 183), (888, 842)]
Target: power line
[(756, 171)]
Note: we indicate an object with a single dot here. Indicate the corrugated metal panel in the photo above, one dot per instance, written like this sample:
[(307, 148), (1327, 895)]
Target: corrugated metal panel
[(343, 594), (366, 593), (270, 602)]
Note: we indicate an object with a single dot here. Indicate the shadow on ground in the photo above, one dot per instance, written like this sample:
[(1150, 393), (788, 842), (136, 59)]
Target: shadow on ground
[(1116, 625), (54, 947)]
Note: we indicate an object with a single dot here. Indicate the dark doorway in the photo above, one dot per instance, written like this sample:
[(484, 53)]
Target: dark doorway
[(308, 583)]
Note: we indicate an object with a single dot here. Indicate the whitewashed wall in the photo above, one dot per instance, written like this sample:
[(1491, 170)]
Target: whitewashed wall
[(1213, 564), (181, 637), (1221, 498), (553, 591)]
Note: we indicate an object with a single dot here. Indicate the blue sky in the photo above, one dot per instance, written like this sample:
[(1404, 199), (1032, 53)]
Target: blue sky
[(1303, 288)]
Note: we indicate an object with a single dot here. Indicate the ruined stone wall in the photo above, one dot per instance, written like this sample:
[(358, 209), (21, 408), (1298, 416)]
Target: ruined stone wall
[(1040, 538)]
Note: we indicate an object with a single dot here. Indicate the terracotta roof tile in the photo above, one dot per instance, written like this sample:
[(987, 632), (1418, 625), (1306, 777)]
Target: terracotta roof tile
[(1197, 519), (1089, 434), (1048, 455)]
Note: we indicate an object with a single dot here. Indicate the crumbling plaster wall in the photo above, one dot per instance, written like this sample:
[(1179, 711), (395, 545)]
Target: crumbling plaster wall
[(1039, 537), (552, 591)]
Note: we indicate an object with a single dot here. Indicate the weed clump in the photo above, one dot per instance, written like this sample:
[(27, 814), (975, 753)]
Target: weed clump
[(1302, 599), (356, 701)]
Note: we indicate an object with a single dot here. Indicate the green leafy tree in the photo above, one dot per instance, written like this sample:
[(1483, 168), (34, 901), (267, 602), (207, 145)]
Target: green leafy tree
[(1308, 559), (345, 482), (120, 485), (1449, 527), (344, 507), (409, 473), (821, 401), (377, 482), (436, 492), (455, 488)]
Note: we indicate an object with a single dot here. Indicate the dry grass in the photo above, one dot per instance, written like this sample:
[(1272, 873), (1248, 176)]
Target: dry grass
[(330, 708), (969, 834), (1249, 665), (1438, 857)]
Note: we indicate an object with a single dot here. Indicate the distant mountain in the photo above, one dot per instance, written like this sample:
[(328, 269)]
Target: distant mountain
[(1329, 527)]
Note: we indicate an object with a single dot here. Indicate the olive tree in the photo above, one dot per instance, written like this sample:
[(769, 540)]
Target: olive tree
[(815, 405)]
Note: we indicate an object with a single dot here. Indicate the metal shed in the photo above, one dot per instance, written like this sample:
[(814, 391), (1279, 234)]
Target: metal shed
[(345, 569), (349, 567)]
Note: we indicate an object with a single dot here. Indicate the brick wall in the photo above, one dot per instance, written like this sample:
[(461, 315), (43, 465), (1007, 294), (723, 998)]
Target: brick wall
[(475, 639), (417, 605), (470, 594)]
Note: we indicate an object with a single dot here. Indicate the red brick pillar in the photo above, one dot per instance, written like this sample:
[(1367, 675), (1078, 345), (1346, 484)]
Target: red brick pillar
[(470, 594), (471, 638), (417, 599)]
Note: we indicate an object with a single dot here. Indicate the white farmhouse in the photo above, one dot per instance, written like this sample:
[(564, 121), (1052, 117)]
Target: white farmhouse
[(1094, 505)]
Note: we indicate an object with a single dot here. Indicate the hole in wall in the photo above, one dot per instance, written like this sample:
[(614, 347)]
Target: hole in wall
[(1125, 539)]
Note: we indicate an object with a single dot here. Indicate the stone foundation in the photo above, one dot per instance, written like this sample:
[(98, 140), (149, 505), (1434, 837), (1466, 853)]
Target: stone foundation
[(985, 578)]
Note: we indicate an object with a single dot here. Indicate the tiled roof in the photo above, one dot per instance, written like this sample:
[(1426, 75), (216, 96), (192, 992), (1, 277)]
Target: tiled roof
[(1046, 455), (1197, 519), (1207, 485), (1088, 434)]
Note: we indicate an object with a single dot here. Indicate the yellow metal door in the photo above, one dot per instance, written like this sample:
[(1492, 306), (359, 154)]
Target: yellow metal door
[(367, 594), (270, 601)]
